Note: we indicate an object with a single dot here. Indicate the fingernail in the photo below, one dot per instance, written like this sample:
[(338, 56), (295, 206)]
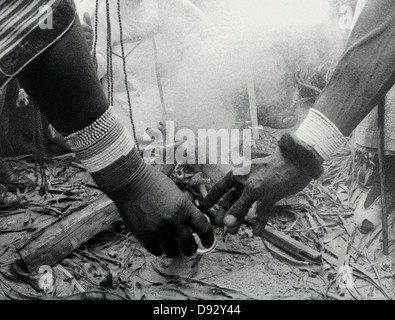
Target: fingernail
[(230, 221)]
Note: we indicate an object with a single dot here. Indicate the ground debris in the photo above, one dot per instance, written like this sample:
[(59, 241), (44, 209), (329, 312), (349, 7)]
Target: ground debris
[(113, 265)]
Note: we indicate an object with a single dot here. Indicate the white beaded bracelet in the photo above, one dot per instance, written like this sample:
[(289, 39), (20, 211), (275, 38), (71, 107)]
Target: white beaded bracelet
[(85, 137), (101, 144), (321, 134)]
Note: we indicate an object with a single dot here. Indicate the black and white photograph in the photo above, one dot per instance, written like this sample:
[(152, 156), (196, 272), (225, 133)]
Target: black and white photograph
[(216, 152)]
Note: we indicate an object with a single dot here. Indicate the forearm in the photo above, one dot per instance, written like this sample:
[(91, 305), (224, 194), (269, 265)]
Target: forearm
[(64, 85), (366, 72)]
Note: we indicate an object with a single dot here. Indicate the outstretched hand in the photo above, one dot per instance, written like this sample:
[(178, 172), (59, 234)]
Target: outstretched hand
[(270, 179)]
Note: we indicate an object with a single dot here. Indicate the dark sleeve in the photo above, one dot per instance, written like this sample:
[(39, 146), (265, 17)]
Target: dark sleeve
[(366, 71)]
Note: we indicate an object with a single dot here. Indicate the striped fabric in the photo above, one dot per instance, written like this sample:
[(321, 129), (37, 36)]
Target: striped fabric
[(21, 37)]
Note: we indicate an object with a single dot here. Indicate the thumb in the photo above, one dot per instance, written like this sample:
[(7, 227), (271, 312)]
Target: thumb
[(87, 19), (239, 210), (200, 225)]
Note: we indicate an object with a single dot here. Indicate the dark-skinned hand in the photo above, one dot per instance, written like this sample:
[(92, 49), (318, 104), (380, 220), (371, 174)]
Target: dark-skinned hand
[(269, 180), (160, 216)]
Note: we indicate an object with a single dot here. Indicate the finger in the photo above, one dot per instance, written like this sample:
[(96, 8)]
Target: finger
[(258, 228), (186, 242), (200, 225), (151, 246), (229, 199), (264, 212), (87, 19), (235, 229), (87, 29), (239, 210), (89, 40), (219, 217), (88, 36), (225, 204), (169, 246), (218, 191)]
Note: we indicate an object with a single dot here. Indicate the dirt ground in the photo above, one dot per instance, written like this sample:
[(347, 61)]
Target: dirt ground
[(113, 261), (113, 265)]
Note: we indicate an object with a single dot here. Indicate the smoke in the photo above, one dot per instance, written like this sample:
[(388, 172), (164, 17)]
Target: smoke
[(204, 84), (274, 38), (207, 87)]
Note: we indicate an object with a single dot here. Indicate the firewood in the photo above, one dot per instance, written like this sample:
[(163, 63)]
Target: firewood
[(51, 244)]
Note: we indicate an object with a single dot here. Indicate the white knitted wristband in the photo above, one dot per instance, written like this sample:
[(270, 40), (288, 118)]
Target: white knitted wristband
[(320, 133)]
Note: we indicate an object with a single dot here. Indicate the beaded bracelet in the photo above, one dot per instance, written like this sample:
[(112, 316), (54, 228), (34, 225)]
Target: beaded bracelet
[(107, 151)]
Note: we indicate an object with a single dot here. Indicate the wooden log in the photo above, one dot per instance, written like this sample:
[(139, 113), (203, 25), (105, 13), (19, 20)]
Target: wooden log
[(51, 244), (291, 246)]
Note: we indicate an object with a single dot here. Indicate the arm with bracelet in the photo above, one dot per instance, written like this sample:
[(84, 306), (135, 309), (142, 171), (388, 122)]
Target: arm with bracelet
[(55, 68), (363, 76)]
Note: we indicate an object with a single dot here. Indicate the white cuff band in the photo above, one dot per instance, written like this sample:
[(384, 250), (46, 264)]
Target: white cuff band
[(101, 144), (320, 133)]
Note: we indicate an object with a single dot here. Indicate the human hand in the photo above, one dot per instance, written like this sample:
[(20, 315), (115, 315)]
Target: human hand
[(270, 179), (161, 217)]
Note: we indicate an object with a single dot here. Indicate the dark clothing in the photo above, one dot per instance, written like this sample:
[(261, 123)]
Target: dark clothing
[(366, 72)]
